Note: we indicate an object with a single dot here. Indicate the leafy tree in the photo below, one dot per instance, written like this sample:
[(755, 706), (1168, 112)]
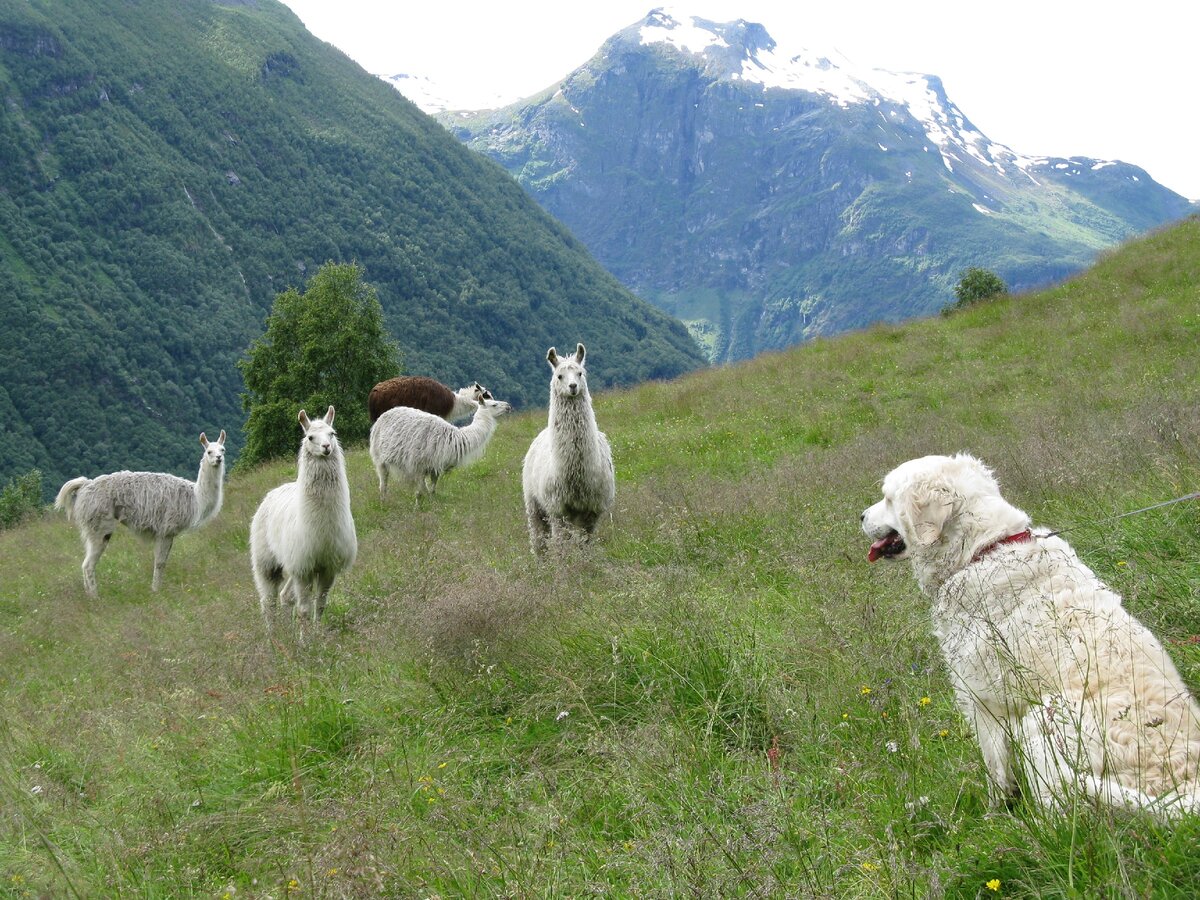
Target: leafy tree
[(976, 284), (325, 346)]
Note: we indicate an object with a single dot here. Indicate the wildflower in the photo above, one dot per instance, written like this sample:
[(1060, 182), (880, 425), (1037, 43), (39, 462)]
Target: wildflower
[(864, 690), (869, 867), (925, 701), (331, 873), (562, 715), (892, 747), (944, 732), (1121, 563), (293, 885), (441, 765), (845, 715), (993, 885)]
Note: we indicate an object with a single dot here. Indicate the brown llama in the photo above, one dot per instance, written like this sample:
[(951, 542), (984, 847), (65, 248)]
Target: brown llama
[(420, 392)]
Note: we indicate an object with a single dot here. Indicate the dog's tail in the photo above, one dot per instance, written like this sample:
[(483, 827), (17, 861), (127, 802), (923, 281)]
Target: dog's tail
[(1184, 800)]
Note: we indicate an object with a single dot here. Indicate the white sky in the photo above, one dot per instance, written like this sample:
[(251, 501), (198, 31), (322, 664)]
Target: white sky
[(1110, 81)]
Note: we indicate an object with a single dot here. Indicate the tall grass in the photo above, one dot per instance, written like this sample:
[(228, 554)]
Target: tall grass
[(717, 698)]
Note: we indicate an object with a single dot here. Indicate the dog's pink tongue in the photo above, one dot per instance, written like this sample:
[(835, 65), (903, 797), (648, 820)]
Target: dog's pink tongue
[(877, 548)]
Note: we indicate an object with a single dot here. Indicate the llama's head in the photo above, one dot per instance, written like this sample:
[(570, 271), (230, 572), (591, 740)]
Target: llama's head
[(474, 392), (495, 407), (570, 377), (214, 451), (320, 440)]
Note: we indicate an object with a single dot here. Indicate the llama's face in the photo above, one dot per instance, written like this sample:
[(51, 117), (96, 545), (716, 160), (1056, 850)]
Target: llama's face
[(570, 377), (496, 407), (214, 451), (320, 439)]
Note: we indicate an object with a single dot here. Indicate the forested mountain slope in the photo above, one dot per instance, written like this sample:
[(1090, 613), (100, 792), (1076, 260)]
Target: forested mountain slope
[(167, 168)]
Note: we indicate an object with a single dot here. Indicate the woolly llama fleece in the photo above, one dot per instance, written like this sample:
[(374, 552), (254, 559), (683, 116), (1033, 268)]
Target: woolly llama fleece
[(153, 505), (302, 535), (568, 477), (419, 448)]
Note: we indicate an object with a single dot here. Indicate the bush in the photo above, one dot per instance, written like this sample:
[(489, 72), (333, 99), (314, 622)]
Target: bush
[(20, 499), (325, 346), (975, 285)]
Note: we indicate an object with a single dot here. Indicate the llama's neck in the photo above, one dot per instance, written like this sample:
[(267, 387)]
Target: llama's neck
[(573, 425), (210, 489), (463, 407), (473, 438), (322, 479)]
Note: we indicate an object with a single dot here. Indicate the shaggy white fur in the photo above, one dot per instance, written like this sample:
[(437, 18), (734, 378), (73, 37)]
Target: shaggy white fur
[(302, 535), (568, 476), (153, 505), (419, 447), (1065, 690)]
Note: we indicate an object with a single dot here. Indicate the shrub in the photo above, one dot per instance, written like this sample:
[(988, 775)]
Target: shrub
[(975, 285), (20, 499)]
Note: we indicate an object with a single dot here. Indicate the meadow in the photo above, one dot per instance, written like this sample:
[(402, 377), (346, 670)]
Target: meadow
[(719, 697)]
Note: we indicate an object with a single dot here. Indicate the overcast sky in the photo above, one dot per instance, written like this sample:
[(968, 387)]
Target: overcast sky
[(1044, 78)]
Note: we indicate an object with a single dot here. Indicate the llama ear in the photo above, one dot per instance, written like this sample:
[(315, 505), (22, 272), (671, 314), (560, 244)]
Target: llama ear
[(552, 358), (221, 439), (203, 441), (303, 419), (329, 415), (580, 353), (927, 508)]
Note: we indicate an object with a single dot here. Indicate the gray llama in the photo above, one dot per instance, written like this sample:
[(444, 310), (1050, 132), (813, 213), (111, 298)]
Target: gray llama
[(568, 477), (302, 535), (419, 447), (153, 505)]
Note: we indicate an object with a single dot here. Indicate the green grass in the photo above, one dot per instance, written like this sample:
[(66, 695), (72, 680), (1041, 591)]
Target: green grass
[(718, 698)]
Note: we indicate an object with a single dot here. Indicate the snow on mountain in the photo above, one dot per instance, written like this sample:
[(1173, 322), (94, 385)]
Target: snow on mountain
[(750, 54)]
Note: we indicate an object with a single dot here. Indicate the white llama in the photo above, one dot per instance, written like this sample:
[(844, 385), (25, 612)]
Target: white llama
[(419, 447), (153, 505), (568, 475), (302, 535)]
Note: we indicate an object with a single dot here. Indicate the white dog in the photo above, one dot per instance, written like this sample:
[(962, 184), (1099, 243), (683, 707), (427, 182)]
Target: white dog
[(1062, 686)]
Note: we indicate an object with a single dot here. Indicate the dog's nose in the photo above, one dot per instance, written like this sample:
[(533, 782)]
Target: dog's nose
[(862, 517)]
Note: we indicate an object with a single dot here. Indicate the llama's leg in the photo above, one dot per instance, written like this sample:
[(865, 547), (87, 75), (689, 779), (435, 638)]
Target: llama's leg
[(324, 583), (94, 547), (162, 549), (433, 480), (295, 594), (382, 469), (267, 583), (539, 526)]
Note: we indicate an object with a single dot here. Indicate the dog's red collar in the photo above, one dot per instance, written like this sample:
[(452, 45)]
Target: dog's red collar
[(1017, 538)]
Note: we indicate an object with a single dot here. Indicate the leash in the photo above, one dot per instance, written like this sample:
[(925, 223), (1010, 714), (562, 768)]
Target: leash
[(1192, 496)]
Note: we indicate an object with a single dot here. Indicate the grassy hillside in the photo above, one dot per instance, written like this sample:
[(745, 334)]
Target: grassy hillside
[(166, 169), (719, 698)]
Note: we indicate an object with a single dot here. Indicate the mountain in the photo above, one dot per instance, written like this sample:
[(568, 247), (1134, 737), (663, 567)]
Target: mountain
[(768, 195), (167, 168)]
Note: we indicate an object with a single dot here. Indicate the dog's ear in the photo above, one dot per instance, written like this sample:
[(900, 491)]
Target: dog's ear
[(926, 507)]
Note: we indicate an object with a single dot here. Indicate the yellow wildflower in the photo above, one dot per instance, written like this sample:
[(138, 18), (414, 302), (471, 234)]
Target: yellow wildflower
[(925, 701), (869, 867), (993, 885), (864, 690)]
